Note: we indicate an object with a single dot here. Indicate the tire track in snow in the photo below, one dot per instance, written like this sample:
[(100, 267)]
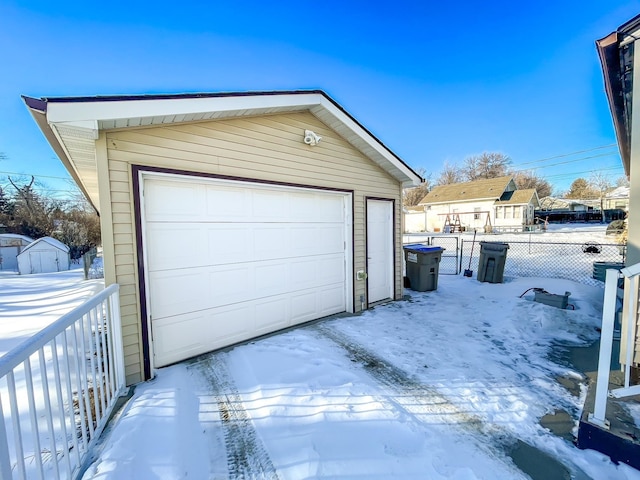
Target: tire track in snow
[(247, 458), (491, 439)]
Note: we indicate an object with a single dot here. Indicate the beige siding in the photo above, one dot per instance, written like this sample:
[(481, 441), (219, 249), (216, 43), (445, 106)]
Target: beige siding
[(263, 148)]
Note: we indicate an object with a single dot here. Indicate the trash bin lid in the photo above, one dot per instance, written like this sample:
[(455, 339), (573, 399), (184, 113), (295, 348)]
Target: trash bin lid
[(423, 248)]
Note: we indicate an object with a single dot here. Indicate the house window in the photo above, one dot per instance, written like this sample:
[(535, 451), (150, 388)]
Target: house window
[(476, 213), (516, 212), (507, 212), (498, 212)]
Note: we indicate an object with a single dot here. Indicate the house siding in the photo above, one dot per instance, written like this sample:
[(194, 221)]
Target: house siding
[(266, 148), (436, 214)]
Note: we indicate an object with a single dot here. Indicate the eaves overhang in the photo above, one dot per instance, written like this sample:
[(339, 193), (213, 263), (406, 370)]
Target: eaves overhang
[(72, 124), (616, 52)]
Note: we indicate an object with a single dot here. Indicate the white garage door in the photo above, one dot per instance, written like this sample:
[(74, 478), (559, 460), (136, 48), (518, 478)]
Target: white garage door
[(227, 261)]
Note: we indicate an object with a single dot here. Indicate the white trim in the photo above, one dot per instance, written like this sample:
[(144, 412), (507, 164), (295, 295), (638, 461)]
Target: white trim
[(121, 109), (83, 118)]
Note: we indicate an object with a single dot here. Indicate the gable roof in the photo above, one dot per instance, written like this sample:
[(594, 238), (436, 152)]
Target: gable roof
[(49, 241), (521, 197), (16, 237), (485, 189), (616, 59), (72, 124)]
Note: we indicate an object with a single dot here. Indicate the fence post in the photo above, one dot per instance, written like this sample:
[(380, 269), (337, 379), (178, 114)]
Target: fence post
[(461, 253), (5, 459)]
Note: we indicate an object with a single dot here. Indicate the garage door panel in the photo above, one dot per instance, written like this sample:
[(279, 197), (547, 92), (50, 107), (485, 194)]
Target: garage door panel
[(172, 201), (329, 209), (303, 306), (174, 247), (256, 258), (227, 203), (271, 315), (228, 243), (174, 293), (271, 279), (331, 300)]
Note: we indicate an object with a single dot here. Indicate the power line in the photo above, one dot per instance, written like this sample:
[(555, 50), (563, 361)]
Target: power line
[(568, 154), (585, 171), (568, 161), (37, 175)]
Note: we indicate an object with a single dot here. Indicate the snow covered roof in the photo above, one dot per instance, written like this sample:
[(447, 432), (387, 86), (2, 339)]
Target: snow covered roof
[(24, 240), (620, 192), (51, 241)]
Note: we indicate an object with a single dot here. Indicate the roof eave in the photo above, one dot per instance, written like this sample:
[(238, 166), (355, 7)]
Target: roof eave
[(609, 53), (38, 110), (88, 115)]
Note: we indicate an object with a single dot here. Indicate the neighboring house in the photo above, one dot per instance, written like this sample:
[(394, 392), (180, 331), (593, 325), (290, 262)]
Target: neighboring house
[(229, 216), (618, 198), (619, 66), (561, 210), (11, 245), (414, 219), (487, 205), (44, 255)]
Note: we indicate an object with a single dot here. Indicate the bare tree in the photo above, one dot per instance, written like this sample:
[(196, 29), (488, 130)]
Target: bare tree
[(486, 165), (528, 179), (412, 196), (601, 184), (449, 174), (622, 181)]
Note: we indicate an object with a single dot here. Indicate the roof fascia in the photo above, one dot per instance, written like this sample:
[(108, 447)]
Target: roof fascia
[(85, 113)]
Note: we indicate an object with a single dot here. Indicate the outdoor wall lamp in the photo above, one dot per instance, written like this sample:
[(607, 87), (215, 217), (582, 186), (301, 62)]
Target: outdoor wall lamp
[(311, 138)]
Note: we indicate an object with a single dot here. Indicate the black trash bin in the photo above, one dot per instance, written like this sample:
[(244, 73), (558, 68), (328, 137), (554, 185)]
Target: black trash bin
[(422, 264), (493, 256)]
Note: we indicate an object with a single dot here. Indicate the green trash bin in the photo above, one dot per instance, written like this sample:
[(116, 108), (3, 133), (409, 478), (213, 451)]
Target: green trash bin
[(493, 256), (422, 266)]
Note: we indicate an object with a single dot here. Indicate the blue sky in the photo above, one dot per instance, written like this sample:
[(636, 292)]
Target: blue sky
[(434, 81)]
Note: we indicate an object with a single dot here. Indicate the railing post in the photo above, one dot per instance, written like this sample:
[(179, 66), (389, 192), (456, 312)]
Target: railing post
[(5, 459), (114, 307), (598, 417)]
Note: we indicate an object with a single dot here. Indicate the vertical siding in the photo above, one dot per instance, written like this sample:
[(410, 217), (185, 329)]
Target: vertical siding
[(266, 148)]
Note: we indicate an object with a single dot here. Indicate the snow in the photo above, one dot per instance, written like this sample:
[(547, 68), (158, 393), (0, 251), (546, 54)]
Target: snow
[(28, 303), (441, 385)]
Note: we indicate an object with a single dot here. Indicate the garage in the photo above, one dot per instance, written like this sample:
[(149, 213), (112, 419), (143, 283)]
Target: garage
[(230, 215), (258, 258)]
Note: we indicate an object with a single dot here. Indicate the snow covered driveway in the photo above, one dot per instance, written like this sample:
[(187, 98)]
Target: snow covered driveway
[(444, 385)]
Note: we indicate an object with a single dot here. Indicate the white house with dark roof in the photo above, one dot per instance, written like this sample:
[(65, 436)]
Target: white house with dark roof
[(486, 205)]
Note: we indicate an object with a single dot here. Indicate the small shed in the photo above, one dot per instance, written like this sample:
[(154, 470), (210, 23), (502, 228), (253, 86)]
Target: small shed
[(43, 256), (11, 244)]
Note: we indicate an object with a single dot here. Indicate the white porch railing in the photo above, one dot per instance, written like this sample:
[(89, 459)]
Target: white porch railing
[(58, 389), (627, 340)]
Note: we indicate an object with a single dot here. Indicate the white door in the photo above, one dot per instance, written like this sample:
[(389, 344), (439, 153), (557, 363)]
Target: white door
[(227, 261), (43, 261), (379, 250)]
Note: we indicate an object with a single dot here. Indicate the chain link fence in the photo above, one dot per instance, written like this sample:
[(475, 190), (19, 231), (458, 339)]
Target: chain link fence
[(527, 256)]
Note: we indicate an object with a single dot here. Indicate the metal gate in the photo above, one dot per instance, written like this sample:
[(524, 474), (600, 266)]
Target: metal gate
[(450, 261)]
